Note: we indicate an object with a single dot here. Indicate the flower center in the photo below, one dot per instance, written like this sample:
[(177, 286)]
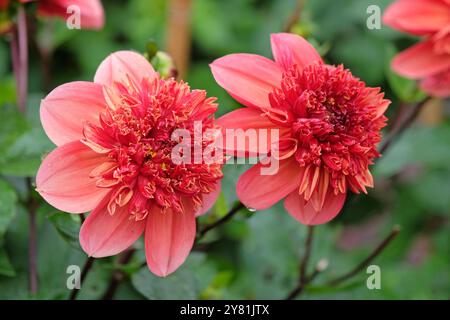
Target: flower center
[(135, 132), (334, 119)]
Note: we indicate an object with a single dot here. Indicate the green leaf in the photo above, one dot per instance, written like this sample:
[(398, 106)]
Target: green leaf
[(6, 268), (406, 89), (26, 143), (8, 202), (68, 226), (184, 284)]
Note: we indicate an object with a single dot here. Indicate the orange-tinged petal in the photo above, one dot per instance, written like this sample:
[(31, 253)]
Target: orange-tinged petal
[(304, 212), (121, 66), (259, 192), (248, 78), (289, 49), (418, 17), (421, 60), (169, 237), (92, 15), (68, 107), (209, 200), (64, 181), (104, 234)]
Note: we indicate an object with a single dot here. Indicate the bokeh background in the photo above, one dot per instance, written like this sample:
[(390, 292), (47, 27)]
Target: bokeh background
[(256, 255)]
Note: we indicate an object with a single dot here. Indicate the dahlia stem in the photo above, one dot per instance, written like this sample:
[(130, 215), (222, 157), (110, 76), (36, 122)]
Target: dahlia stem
[(363, 264), (222, 220), (19, 52), (118, 276), (397, 131), (86, 268), (32, 240), (303, 278)]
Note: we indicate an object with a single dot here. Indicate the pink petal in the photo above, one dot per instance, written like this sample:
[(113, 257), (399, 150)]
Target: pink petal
[(289, 49), (305, 213), (67, 107), (438, 85), (92, 15), (420, 60), (120, 65), (260, 192), (250, 121), (418, 17), (63, 178), (103, 234), (209, 200), (169, 238), (248, 78)]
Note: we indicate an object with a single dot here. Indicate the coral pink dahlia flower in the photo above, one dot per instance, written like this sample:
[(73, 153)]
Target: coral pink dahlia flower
[(114, 158), (329, 125), (428, 60), (91, 11)]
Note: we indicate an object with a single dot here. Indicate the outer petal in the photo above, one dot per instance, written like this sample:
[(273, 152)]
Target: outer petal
[(103, 234), (169, 238), (92, 15), (63, 178), (120, 65), (209, 200), (289, 49), (438, 85), (66, 108), (262, 191), (418, 17), (248, 122), (420, 61), (248, 78), (305, 213)]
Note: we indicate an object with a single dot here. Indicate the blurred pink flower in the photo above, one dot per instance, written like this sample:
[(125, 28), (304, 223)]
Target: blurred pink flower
[(428, 60), (329, 124), (114, 158), (92, 15)]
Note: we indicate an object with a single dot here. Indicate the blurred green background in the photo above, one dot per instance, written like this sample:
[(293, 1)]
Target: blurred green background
[(256, 255)]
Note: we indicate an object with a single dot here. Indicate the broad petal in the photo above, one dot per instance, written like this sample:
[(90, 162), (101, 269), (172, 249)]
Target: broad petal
[(304, 212), (248, 78), (67, 107), (91, 12), (260, 192), (247, 132), (169, 238), (289, 49), (103, 234), (120, 65), (63, 178), (420, 61), (418, 17), (209, 200), (438, 85)]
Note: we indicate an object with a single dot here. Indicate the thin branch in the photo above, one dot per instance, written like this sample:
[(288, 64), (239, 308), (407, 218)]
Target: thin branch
[(118, 276), (222, 220), (363, 264), (32, 240), (303, 279), (86, 268), (295, 16), (406, 123), (19, 47)]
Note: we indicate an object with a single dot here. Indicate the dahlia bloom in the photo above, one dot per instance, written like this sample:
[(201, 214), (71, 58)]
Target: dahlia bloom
[(113, 157), (428, 60), (92, 15), (329, 125)]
